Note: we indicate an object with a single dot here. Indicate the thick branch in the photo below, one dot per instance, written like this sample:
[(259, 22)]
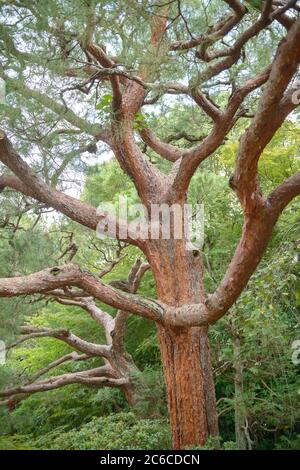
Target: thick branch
[(134, 279), (72, 275), (281, 196), (148, 180), (165, 150), (207, 105), (260, 215), (271, 112), (194, 156), (224, 121), (114, 327), (93, 377), (30, 332), (27, 182), (218, 31)]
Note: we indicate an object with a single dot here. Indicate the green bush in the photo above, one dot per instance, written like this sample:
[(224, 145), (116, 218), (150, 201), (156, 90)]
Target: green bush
[(18, 442), (115, 431), (288, 443), (215, 443)]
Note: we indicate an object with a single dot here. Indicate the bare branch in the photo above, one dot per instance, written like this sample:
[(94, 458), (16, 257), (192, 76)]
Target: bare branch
[(73, 356), (218, 31), (281, 196), (27, 182), (134, 279), (93, 377), (272, 111), (101, 317), (30, 332), (164, 149), (71, 275)]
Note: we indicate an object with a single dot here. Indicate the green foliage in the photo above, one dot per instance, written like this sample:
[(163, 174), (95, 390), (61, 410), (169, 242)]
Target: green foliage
[(116, 431), (215, 443), (104, 103), (104, 106), (150, 392), (288, 443), (66, 408), (102, 179), (141, 121), (18, 442)]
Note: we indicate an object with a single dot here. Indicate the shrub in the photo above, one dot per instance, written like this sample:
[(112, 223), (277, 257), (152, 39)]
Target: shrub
[(112, 432), (16, 443)]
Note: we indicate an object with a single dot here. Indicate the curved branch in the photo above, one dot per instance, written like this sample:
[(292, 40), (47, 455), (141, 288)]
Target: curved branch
[(71, 275), (98, 53), (93, 377), (281, 196), (224, 121), (271, 113), (165, 150), (134, 279), (28, 183), (101, 317), (207, 105), (233, 53), (218, 31), (114, 327), (148, 179), (272, 110), (30, 332), (73, 356), (115, 372)]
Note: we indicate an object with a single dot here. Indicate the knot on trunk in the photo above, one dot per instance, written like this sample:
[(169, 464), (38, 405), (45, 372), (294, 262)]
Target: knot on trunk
[(55, 271), (186, 316)]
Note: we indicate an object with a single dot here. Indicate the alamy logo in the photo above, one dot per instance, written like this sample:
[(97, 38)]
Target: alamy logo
[(296, 94), (2, 353), (2, 91), (296, 353), (159, 222)]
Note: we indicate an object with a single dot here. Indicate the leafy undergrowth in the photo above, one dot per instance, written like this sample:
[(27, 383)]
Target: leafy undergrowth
[(285, 443), (215, 443), (17, 442), (115, 431), (124, 430)]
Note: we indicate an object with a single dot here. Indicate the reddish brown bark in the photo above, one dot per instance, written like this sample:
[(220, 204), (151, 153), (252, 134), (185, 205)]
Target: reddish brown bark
[(184, 351), (189, 385)]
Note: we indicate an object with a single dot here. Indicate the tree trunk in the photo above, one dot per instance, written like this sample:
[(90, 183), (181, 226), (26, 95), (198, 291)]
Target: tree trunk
[(130, 395), (133, 391), (189, 386), (185, 352), (128, 370)]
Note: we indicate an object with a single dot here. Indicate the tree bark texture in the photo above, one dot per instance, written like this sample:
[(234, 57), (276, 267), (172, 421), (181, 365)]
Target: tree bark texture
[(185, 351)]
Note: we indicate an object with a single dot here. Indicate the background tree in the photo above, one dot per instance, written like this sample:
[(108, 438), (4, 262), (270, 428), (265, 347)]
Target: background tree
[(58, 67)]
